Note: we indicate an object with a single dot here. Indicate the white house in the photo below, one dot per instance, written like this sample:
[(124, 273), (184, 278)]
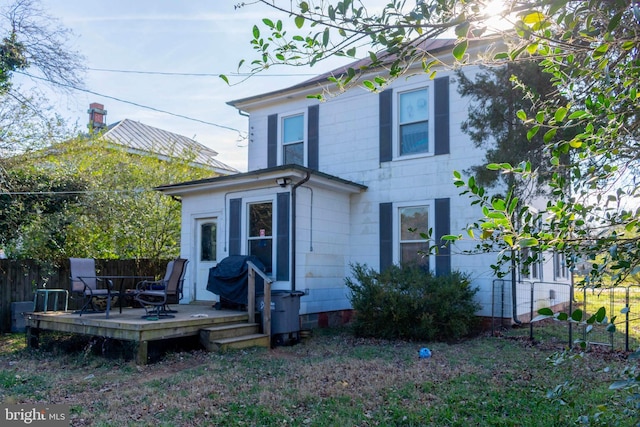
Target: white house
[(339, 182)]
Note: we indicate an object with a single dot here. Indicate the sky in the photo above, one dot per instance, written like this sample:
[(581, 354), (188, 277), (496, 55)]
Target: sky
[(169, 36)]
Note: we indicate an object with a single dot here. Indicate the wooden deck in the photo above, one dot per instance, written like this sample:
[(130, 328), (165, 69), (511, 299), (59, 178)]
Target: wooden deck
[(129, 325)]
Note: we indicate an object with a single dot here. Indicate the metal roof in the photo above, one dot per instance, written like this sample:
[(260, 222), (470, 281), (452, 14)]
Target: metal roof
[(142, 138)]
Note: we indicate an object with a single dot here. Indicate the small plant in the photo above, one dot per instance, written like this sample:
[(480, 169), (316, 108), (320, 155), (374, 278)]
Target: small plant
[(410, 303)]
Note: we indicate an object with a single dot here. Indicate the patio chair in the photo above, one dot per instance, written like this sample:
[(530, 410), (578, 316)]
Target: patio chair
[(84, 283), (156, 295)]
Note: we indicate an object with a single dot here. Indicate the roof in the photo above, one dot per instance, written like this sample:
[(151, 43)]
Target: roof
[(431, 46), (262, 178), (148, 139)]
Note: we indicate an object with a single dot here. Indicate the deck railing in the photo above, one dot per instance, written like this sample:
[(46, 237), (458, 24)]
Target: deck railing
[(251, 300)]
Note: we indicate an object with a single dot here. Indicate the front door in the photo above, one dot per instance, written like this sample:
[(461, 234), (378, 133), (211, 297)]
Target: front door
[(206, 256)]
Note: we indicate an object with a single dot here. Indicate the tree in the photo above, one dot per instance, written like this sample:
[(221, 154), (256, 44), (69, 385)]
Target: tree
[(87, 198), (35, 41), (590, 51)]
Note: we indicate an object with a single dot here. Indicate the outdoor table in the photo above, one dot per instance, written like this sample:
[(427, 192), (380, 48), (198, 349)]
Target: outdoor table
[(45, 296), (120, 293)]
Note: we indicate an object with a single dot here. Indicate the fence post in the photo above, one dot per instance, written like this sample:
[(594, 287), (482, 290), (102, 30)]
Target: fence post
[(532, 284)]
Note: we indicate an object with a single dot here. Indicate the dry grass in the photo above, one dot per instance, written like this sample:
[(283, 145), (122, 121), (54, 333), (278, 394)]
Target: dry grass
[(332, 378)]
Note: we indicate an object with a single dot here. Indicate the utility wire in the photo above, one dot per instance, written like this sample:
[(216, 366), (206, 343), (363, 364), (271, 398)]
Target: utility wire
[(53, 193), (167, 73), (133, 103)]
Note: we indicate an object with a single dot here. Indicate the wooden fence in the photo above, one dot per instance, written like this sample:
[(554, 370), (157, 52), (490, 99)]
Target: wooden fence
[(20, 278)]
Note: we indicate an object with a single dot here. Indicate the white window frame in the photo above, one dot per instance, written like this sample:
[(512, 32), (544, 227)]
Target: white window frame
[(281, 144), (396, 227), (535, 267), (250, 200), (430, 120), (560, 269)]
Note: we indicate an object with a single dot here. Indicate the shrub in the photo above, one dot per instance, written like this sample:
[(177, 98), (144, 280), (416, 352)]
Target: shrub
[(410, 303)]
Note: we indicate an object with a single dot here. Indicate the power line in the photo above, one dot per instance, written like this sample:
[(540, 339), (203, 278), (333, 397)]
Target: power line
[(240, 133), (167, 73), (53, 193)]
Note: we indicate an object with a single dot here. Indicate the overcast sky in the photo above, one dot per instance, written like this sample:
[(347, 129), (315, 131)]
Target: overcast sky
[(195, 36)]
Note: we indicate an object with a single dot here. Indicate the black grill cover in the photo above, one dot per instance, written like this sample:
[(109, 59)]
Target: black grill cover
[(230, 278)]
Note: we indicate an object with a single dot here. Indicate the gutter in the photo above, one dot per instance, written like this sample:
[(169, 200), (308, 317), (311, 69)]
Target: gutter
[(293, 228)]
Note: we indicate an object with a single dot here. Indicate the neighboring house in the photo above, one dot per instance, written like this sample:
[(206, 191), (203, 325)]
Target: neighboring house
[(142, 139), (339, 182)]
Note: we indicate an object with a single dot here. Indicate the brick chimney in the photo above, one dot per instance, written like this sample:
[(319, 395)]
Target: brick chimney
[(97, 115)]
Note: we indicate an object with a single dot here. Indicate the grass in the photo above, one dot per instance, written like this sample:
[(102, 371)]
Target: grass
[(331, 379)]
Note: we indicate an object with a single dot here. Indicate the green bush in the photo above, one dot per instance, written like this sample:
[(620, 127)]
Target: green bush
[(410, 303)]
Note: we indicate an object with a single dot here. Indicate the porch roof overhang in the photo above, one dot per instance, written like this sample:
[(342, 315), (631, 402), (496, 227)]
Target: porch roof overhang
[(263, 178)]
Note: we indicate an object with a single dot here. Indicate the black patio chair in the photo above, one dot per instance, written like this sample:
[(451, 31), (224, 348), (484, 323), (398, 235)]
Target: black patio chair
[(84, 283), (155, 296)]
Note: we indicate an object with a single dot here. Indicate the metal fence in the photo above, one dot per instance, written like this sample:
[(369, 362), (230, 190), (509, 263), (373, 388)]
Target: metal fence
[(622, 303)]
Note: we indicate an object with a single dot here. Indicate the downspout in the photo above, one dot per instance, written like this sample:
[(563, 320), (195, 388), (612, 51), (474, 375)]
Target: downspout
[(293, 229)]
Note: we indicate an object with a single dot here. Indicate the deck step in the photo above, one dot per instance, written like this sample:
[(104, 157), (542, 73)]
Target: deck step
[(244, 341), (213, 333), (237, 335)]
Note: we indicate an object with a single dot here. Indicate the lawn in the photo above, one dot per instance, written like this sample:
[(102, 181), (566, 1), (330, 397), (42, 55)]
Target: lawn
[(330, 379)]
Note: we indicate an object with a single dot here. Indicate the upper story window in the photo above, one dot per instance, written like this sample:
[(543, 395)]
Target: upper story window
[(413, 221), (293, 140), (413, 122)]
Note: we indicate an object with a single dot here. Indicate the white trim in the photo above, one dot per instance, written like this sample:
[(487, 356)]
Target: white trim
[(430, 203), (305, 138), (428, 85)]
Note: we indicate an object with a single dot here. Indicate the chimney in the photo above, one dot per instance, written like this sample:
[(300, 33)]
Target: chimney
[(97, 115)]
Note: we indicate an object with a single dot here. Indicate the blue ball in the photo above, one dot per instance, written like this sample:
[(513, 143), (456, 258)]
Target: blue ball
[(424, 353)]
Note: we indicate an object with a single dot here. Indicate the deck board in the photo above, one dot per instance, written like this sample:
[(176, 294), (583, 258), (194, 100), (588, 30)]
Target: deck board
[(129, 325)]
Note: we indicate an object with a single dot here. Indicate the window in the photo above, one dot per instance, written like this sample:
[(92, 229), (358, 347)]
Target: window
[(530, 265), (261, 233), (293, 140), (208, 239), (413, 221), (413, 122), (559, 265)]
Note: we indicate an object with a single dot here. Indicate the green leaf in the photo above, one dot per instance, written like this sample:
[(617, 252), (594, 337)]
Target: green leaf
[(304, 7), (562, 317), (463, 29), (576, 315), (533, 18), (528, 242), (560, 114), (325, 37), (460, 49), (532, 132), (223, 77), (268, 22), (299, 21), (522, 115), (549, 135), (256, 32), (545, 311), (369, 85), (601, 314), (493, 167)]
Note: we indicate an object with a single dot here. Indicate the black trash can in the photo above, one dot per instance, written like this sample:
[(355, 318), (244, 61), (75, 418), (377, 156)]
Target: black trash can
[(285, 316)]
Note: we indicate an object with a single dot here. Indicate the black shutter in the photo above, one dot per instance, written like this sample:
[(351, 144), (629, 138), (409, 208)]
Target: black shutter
[(313, 136), (235, 233), (282, 237), (272, 141), (386, 236), (386, 125), (441, 117), (442, 228)]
